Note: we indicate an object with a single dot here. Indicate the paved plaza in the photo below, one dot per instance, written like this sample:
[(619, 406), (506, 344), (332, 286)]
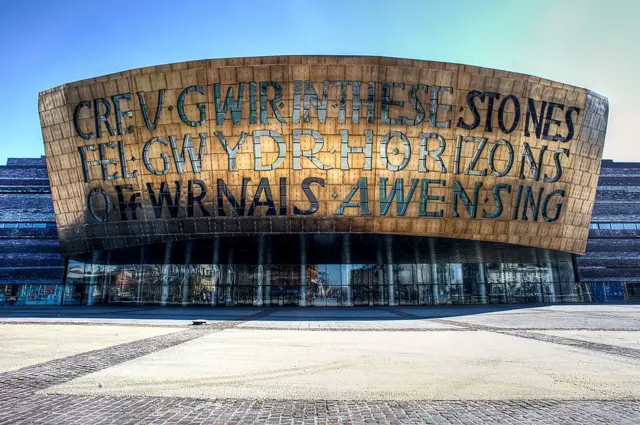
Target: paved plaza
[(549, 364)]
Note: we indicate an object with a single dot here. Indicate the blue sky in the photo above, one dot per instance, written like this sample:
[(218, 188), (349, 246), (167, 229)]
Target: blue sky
[(586, 43)]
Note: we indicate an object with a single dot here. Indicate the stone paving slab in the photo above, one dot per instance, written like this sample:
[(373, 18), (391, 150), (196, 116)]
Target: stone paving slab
[(239, 363), (27, 380), (25, 345), (25, 397), (624, 339), (540, 320), (348, 325)]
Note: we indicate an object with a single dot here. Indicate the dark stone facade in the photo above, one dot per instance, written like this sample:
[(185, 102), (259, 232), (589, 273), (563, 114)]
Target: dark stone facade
[(613, 249), (30, 256)]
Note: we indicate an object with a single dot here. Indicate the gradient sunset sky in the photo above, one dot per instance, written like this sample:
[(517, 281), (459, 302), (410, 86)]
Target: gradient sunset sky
[(587, 43)]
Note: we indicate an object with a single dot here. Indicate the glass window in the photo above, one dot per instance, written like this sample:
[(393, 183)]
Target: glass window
[(630, 226), (617, 226), (41, 294), (604, 226), (593, 226), (10, 225), (39, 225), (151, 284), (24, 225), (49, 225)]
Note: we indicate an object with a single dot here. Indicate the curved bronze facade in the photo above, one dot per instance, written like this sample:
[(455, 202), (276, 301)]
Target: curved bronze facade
[(321, 144)]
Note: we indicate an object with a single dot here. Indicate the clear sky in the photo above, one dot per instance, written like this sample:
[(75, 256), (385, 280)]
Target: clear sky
[(588, 43)]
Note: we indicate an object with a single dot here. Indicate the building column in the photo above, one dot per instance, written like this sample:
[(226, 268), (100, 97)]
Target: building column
[(140, 277), (435, 284), (550, 276), (106, 278), (215, 272), (419, 275), (186, 279), (345, 270), (457, 279), (302, 301), (93, 277), (419, 283), (258, 301), (228, 300), (433, 268), (551, 279), (390, 277), (64, 279), (267, 278), (482, 282), (381, 287), (428, 283), (482, 273), (165, 273)]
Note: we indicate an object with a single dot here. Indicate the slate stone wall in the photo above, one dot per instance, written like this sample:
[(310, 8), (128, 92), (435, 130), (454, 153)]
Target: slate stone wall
[(29, 249), (613, 255)]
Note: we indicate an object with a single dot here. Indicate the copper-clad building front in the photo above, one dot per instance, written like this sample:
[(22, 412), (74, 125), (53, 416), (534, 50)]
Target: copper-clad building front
[(322, 181)]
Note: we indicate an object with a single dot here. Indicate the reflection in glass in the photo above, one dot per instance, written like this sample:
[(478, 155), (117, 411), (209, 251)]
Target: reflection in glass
[(326, 285)]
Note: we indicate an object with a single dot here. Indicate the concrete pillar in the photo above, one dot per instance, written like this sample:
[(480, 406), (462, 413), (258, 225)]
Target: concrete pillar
[(435, 284), (419, 275), (258, 301), (381, 287), (106, 277), (482, 282), (228, 300), (428, 284), (302, 301), (345, 271), (165, 273), (456, 279), (390, 277), (482, 273), (186, 277), (420, 282), (433, 269), (215, 272), (552, 277), (140, 277), (93, 277), (267, 276), (540, 289)]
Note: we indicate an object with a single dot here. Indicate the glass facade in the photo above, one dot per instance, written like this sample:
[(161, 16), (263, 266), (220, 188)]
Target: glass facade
[(321, 285), (33, 294)]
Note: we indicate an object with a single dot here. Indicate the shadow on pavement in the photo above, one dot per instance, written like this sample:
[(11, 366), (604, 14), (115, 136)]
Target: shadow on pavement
[(272, 314)]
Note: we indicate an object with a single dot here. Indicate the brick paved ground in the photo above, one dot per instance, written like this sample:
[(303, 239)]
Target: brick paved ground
[(23, 402), (94, 410)]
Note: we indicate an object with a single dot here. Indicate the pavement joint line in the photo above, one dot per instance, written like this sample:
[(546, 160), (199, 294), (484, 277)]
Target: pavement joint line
[(345, 329), (573, 342), (26, 381), (554, 339)]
